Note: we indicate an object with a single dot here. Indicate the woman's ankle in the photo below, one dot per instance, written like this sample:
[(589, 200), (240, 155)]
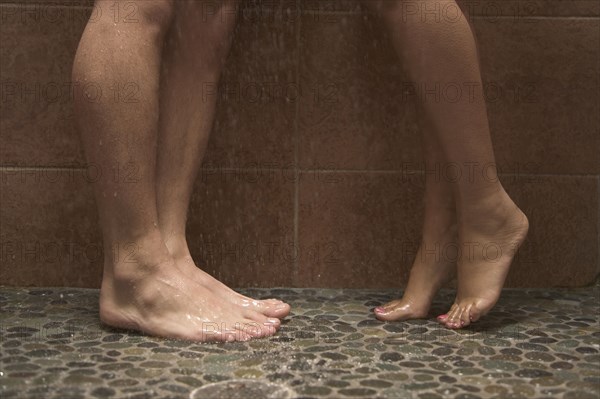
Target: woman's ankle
[(491, 213)]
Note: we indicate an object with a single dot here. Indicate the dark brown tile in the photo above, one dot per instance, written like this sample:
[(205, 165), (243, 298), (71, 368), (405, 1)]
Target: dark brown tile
[(48, 229), (543, 94), (257, 102), (548, 93), (355, 229), (365, 228), (352, 114), (254, 122), (36, 56), (562, 246), (358, 229), (240, 226)]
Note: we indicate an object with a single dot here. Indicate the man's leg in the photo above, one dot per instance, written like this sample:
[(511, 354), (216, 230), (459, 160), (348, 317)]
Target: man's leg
[(116, 74), (197, 47)]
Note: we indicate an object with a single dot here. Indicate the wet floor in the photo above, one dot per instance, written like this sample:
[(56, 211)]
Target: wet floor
[(534, 344)]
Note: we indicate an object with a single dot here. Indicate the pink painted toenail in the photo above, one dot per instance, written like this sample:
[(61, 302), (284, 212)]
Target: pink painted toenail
[(442, 317), (379, 309)]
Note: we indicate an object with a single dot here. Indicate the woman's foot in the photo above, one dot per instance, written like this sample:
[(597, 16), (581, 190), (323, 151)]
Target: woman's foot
[(268, 307), (146, 291), (434, 265), (489, 237)]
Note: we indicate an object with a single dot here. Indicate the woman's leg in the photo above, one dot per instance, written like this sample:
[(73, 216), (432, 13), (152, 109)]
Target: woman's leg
[(197, 46), (440, 55), (116, 71), (435, 261)]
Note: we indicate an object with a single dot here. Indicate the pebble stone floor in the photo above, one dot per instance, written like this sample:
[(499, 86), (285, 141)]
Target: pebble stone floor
[(534, 344)]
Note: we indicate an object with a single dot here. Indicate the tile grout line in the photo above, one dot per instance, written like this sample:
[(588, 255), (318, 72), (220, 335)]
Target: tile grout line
[(296, 168), (295, 271), (471, 18), (342, 13)]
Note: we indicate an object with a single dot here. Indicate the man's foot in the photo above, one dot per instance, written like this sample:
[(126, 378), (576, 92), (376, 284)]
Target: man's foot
[(268, 307), (489, 240), (433, 266), (147, 292)]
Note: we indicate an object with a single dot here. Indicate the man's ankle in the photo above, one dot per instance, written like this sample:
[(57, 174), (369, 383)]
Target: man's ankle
[(177, 246)]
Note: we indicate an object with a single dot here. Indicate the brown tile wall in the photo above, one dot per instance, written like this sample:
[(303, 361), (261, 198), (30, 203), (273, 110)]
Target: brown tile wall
[(307, 185)]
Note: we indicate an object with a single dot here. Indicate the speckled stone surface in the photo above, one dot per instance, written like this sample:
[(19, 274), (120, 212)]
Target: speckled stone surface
[(534, 344)]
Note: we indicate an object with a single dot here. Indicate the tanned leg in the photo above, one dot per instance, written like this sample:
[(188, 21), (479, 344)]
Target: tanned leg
[(142, 287), (438, 51), (197, 46)]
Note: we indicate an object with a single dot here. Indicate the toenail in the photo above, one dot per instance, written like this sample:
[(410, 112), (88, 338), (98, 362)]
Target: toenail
[(379, 309)]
